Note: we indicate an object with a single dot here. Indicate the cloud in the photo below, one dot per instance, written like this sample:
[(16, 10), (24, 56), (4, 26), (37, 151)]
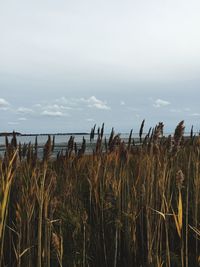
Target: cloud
[(24, 110), (161, 103), (3, 104), (52, 113), (93, 102), (57, 107), (62, 107), (78, 103), (68, 103), (122, 103)]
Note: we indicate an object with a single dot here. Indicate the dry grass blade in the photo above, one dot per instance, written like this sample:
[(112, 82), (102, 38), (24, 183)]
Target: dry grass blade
[(6, 182), (197, 231), (179, 218), (180, 211), (160, 213)]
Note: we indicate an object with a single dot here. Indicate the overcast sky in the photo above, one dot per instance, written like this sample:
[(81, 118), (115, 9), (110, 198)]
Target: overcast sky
[(67, 64)]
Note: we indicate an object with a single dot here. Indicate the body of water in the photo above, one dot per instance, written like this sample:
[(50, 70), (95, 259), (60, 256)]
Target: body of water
[(61, 141)]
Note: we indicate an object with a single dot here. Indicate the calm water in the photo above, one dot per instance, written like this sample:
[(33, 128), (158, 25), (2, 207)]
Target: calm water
[(60, 141)]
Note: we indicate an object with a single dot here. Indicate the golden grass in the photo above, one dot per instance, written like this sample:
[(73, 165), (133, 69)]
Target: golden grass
[(122, 205)]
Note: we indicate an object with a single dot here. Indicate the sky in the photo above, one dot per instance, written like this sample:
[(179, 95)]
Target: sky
[(66, 65)]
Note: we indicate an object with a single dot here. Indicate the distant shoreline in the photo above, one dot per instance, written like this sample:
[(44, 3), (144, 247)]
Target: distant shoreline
[(41, 134)]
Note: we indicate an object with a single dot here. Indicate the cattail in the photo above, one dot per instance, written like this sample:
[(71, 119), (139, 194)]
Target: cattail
[(92, 133), (111, 137), (102, 131), (158, 132), (98, 145), (98, 131), (6, 141), (35, 149), (36, 143), (141, 130), (55, 241), (149, 132), (145, 141), (191, 132), (115, 142), (53, 144), (179, 179), (47, 149), (14, 140), (70, 144), (83, 147), (178, 134), (75, 148), (129, 139), (106, 145)]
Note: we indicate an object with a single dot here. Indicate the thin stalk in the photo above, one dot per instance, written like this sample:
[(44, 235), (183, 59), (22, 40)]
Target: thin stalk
[(40, 217)]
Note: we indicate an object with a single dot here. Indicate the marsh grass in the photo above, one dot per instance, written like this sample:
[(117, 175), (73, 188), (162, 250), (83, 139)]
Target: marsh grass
[(122, 205)]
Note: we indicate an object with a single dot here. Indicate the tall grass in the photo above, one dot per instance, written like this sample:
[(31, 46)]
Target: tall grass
[(125, 204)]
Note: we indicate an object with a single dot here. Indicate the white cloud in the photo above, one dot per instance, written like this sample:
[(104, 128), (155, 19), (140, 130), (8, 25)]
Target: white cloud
[(52, 113), (24, 110), (69, 103), (57, 107), (78, 103), (54, 110), (122, 103), (93, 102), (3, 104), (161, 103)]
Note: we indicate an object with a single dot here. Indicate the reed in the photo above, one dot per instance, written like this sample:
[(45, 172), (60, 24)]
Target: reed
[(125, 204)]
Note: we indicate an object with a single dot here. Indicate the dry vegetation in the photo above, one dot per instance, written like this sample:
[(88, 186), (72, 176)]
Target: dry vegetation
[(123, 205)]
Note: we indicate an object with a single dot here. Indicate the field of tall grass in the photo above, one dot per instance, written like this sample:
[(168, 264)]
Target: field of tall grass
[(123, 205)]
